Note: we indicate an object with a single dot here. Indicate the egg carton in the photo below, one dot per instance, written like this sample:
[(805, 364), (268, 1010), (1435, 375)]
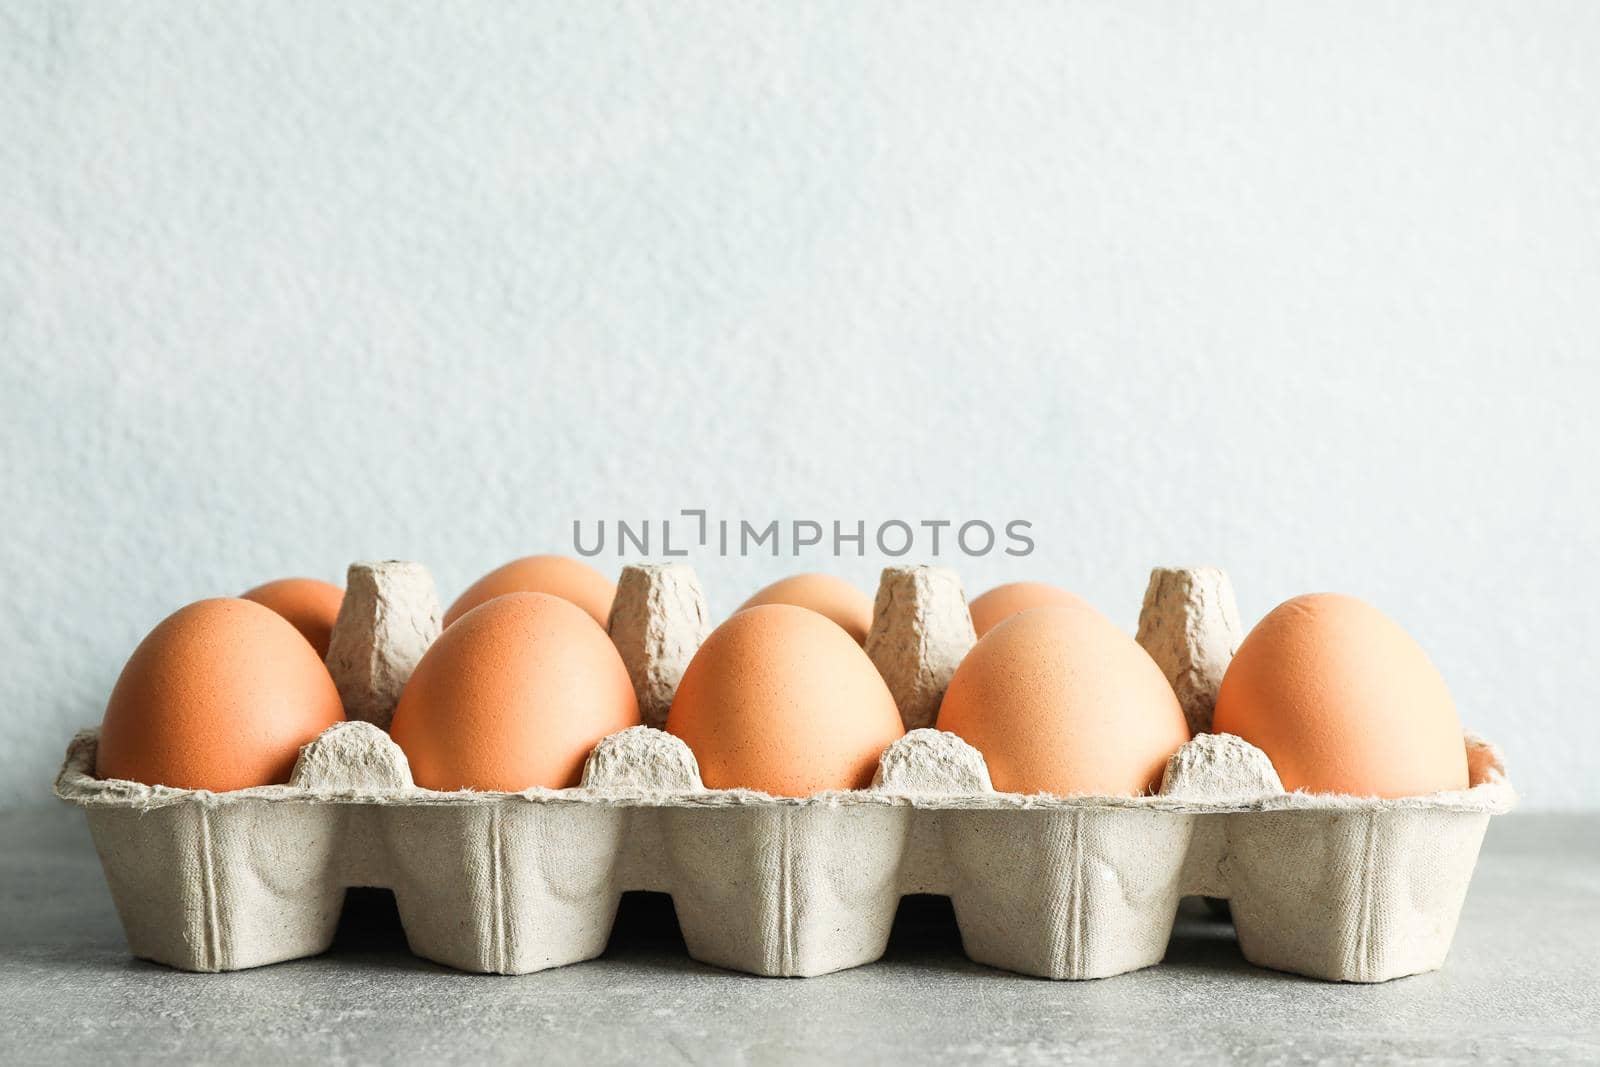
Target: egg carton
[(1078, 887)]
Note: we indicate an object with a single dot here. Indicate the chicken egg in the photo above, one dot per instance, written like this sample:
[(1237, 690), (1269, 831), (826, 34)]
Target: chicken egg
[(513, 695), (781, 700), (310, 606), (1003, 601), (559, 576), (1059, 700), (1342, 700), (220, 695), (833, 598)]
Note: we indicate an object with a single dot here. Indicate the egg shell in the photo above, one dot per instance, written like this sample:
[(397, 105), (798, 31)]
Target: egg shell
[(1342, 700), (220, 695), (511, 696), (781, 700), (1003, 601), (311, 606), (833, 598), (572, 581), (1060, 700)]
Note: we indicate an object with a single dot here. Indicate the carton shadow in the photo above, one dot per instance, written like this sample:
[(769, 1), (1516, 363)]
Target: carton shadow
[(646, 933), (369, 935), (1203, 939)]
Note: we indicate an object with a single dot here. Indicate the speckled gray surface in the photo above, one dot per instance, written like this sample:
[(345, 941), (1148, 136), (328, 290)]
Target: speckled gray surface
[(1522, 985)]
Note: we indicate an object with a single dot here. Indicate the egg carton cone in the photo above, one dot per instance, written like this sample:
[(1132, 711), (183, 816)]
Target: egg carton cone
[(1346, 888)]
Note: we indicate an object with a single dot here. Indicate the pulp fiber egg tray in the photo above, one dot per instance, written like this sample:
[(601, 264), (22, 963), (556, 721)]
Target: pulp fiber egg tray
[(1343, 888)]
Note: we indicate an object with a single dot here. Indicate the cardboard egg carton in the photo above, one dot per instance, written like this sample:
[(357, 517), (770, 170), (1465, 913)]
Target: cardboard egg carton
[(1062, 887)]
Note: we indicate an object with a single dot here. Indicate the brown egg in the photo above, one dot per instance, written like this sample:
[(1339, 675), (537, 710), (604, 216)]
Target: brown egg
[(1342, 700), (220, 695), (513, 695), (833, 598), (1059, 700), (575, 582), (781, 700), (1004, 601), (311, 606)]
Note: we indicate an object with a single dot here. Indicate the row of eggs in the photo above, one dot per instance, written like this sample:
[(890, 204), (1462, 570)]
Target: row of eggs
[(781, 697)]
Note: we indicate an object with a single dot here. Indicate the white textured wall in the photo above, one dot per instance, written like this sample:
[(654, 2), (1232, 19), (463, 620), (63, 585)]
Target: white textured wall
[(1308, 290)]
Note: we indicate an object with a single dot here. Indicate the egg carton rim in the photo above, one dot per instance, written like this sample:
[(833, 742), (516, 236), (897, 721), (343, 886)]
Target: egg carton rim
[(76, 784)]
